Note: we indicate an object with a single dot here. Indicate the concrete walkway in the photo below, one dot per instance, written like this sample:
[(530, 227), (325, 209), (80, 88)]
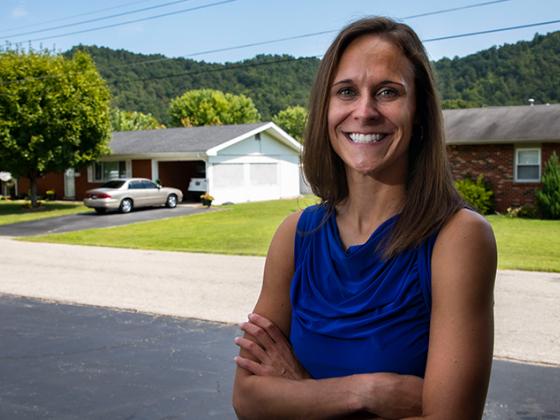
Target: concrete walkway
[(224, 288)]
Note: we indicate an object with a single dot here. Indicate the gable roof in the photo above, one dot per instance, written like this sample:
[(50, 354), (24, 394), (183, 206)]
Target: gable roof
[(177, 140), (504, 124)]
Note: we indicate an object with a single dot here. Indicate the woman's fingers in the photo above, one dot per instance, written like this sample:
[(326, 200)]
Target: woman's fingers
[(254, 367), (260, 334), (252, 347), (272, 329)]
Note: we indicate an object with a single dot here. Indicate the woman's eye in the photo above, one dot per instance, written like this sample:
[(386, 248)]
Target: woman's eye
[(346, 92), (387, 93)]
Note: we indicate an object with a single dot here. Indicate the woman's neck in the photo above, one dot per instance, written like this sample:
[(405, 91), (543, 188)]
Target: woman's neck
[(369, 203)]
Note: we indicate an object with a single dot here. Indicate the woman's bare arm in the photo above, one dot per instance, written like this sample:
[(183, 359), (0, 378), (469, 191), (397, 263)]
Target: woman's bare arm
[(265, 393), (461, 329)]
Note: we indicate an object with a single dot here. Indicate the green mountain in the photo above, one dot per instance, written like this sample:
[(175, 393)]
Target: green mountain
[(147, 83), (506, 75)]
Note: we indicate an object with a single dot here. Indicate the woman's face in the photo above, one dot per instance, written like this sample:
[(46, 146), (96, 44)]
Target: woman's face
[(371, 109)]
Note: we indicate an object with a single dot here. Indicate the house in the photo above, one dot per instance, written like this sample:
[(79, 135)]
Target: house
[(234, 163), (508, 145)]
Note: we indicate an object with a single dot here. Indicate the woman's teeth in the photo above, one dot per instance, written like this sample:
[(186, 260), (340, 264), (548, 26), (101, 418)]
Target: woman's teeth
[(366, 138)]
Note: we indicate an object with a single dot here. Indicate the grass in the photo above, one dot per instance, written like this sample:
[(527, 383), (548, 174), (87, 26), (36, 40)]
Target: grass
[(240, 229), (246, 229), (14, 211), (527, 244)]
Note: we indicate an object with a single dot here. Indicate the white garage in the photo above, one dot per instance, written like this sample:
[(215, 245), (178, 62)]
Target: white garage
[(235, 163)]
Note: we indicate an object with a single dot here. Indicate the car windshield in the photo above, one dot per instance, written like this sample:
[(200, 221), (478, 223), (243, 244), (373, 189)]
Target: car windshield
[(113, 184)]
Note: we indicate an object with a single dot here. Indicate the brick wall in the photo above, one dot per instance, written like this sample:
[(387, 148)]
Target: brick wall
[(142, 168), (496, 162)]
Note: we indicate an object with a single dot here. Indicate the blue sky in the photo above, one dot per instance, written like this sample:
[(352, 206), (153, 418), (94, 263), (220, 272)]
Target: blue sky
[(217, 24)]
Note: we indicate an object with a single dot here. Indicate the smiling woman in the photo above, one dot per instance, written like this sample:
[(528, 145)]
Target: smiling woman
[(372, 299), (371, 109)]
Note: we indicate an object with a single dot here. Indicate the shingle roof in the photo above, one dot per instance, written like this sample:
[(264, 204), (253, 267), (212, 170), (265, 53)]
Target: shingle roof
[(176, 140), (506, 124)]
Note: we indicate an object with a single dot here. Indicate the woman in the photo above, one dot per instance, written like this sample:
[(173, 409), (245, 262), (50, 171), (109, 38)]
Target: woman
[(377, 302)]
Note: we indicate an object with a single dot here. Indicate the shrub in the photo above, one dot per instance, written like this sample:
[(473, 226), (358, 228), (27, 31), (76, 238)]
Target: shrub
[(476, 193), (548, 198), (525, 211)]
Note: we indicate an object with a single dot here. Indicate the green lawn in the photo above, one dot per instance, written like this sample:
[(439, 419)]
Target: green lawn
[(527, 244), (14, 211), (241, 229), (246, 229)]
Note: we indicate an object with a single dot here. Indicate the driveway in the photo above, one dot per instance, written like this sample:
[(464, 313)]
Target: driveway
[(91, 220), (60, 361)]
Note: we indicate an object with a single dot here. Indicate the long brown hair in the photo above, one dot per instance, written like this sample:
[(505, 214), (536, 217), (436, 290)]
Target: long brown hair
[(431, 197)]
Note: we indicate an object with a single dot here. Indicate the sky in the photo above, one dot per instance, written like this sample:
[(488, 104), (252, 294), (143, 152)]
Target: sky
[(194, 28)]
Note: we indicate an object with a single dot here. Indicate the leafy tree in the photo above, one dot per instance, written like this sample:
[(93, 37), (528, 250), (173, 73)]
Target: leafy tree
[(133, 121), (292, 120), (54, 113), (211, 107), (548, 198)]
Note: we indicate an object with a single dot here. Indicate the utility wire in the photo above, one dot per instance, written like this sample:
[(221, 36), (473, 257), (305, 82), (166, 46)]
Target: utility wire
[(134, 20), (130, 12), (93, 12), (307, 35), (489, 31), (231, 67)]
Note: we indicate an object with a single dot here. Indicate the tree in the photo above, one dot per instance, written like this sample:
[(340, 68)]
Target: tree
[(211, 107), (292, 120), (54, 113), (548, 198), (133, 121)]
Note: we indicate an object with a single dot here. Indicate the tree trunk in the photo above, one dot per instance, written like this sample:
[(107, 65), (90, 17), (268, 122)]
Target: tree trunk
[(33, 186)]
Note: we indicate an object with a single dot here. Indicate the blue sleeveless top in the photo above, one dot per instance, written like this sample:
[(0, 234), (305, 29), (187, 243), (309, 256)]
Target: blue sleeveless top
[(352, 312)]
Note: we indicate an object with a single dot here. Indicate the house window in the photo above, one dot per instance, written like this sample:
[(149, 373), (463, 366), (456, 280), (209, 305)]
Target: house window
[(263, 173), (528, 165), (228, 175), (105, 171)]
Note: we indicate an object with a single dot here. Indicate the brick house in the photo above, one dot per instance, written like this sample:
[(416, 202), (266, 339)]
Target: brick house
[(234, 163), (508, 145)]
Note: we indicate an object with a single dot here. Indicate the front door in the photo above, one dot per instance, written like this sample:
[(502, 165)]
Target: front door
[(69, 184)]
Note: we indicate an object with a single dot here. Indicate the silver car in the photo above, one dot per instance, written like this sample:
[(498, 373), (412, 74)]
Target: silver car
[(126, 194)]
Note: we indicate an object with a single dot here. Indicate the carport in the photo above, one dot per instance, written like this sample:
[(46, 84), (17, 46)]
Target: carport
[(178, 174)]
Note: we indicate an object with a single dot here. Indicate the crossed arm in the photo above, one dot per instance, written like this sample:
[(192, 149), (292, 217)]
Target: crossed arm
[(270, 382)]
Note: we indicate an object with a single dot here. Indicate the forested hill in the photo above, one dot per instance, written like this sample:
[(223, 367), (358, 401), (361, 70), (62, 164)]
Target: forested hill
[(147, 83), (508, 75)]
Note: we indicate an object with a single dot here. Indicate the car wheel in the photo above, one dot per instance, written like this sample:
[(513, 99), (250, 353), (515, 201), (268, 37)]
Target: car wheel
[(126, 205), (171, 201), (100, 210)]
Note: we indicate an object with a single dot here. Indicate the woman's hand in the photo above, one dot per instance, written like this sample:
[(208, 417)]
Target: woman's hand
[(271, 350)]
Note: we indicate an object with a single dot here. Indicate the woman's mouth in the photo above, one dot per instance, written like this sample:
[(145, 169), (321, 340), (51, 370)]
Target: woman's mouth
[(366, 138)]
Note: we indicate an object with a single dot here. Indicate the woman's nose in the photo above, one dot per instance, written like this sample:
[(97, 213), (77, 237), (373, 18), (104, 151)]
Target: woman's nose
[(366, 108)]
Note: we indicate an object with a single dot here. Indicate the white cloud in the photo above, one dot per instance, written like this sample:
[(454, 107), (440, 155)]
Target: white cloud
[(19, 11)]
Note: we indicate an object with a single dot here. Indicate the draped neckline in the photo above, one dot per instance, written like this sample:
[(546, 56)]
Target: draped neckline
[(352, 249)]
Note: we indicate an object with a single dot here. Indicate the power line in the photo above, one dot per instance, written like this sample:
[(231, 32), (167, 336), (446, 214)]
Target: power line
[(130, 12), (93, 12), (454, 9), (133, 21), (230, 67), (308, 35), (489, 31)]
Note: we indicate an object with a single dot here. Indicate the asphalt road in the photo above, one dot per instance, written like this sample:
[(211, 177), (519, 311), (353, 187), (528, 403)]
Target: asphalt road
[(69, 361), (90, 220), (60, 361)]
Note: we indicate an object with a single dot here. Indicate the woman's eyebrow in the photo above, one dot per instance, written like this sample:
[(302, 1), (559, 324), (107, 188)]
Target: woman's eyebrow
[(391, 82), (339, 82)]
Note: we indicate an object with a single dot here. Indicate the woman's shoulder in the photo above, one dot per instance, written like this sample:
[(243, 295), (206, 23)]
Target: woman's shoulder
[(465, 249), (465, 224)]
